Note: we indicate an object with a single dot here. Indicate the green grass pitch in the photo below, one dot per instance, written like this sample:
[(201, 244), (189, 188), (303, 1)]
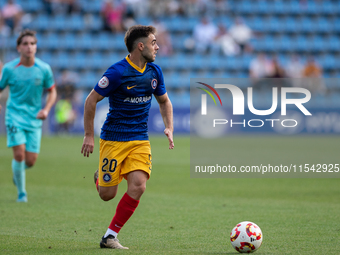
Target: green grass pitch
[(177, 214)]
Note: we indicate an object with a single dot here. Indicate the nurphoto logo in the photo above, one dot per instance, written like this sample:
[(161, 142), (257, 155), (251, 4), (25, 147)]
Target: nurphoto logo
[(238, 107)]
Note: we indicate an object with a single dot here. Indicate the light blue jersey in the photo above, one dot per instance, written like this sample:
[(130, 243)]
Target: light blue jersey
[(26, 86)]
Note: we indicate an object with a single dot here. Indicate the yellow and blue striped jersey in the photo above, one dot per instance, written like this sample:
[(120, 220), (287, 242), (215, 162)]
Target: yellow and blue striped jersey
[(129, 89)]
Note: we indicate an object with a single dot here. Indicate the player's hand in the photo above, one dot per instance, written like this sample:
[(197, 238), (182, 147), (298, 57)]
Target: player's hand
[(169, 134), (42, 114), (88, 145)]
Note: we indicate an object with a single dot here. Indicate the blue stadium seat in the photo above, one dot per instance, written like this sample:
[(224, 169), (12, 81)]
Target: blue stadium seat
[(75, 23), (213, 61), (272, 25), (68, 42), (170, 79), (94, 22), (80, 61), (336, 25), (45, 56), (294, 7), (268, 44), (283, 44), (256, 23), (40, 23), (244, 7), (88, 80), (183, 80), (177, 61), (52, 41), (92, 6), (145, 21), (110, 59), (103, 41), (178, 41), (333, 44), (300, 44), (118, 42), (262, 7), (323, 25), (256, 44), (84, 42), (245, 61), (306, 25), (328, 8), (289, 25), (327, 61), (199, 62), (177, 24), (279, 7), (31, 6), (227, 21), (60, 60), (59, 23), (94, 61), (318, 44), (311, 7)]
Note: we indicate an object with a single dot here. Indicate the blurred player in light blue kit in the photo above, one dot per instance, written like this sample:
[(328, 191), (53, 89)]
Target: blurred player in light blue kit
[(27, 77)]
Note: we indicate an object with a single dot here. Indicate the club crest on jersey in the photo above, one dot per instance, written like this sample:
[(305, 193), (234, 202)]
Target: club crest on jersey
[(37, 82), (107, 178), (154, 83), (104, 82)]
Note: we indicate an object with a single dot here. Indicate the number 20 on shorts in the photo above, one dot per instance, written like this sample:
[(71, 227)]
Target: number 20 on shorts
[(109, 165)]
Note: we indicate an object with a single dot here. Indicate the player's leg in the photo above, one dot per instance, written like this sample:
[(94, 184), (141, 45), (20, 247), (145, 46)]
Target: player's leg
[(136, 183), (18, 169), (107, 177), (30, 159), (135, 189), (107, 193), (130, 200), (33, 142), (125, 208), (136, 168), (16, 139), (133, 161), (111, 156)]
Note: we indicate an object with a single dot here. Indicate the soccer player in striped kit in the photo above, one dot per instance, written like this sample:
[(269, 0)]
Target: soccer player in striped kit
[(125, 150)]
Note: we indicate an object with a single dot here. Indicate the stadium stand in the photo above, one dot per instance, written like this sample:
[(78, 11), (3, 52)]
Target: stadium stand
[(77, 41)]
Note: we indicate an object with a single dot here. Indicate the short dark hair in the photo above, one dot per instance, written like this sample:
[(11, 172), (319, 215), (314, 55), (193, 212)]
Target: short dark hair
[(136, 32), (24, 33)]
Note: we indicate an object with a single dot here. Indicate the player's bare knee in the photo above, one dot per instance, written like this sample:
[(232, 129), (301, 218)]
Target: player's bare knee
[(30, 159), (107, 196), (138, 189), (19, 157), (142, 188), (29, 163)]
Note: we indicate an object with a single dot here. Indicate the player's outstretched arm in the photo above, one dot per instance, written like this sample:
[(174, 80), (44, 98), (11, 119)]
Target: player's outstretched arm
[(165, 108), (89, 113), (51, 98)]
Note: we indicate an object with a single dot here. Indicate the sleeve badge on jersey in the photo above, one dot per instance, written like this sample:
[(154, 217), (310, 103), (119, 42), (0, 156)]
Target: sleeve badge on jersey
[(154, 83), (107, 177), (104, 82)]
